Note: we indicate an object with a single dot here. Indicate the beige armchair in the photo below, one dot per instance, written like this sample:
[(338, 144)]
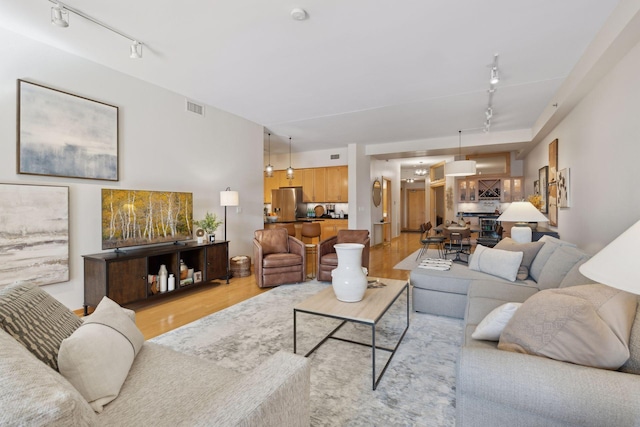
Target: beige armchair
[(328, 258), (278, 257)]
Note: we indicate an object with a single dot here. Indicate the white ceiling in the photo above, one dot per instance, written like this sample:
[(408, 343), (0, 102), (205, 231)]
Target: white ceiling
[(355, 71)]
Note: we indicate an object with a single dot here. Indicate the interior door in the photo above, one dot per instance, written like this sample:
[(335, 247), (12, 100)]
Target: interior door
[(416, 211)]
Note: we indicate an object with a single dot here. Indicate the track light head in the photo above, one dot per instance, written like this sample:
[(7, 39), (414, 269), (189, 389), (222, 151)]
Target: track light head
[(136, 50), (495, 77), (489, 113), (59, 16)]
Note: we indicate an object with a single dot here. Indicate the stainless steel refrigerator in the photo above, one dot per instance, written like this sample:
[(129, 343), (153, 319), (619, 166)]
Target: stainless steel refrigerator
[(286, 202)]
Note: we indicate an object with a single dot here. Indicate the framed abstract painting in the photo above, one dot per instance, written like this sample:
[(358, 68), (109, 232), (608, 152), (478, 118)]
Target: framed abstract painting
[(34, 236), (61, 134)]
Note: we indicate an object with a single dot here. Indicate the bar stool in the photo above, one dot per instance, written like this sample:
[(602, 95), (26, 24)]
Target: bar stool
[(291, 228), (311, 230)]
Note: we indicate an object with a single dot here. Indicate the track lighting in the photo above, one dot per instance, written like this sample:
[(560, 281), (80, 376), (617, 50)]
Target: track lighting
[(489, 113), (495, 75), (136, 50), (60, 17)]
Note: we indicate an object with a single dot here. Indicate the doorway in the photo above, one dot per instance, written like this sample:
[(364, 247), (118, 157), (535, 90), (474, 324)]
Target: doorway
[(416, 211), (438, 207)]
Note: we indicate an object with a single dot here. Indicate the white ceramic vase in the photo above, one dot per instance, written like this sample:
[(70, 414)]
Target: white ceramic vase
[(349, 279)]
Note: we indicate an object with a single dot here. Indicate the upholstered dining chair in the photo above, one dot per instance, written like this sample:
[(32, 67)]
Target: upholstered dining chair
[(328, 258), (426, 240), (278, 257)]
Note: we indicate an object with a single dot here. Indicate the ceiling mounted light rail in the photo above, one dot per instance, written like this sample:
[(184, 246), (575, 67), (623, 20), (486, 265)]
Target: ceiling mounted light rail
[(460, 166), (494, 79), (60, 18)]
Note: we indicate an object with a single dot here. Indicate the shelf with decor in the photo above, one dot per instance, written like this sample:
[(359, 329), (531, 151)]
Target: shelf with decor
[(124, 276)]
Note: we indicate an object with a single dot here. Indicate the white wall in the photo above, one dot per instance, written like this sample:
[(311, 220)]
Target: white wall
[(600, 142), (161, 147)]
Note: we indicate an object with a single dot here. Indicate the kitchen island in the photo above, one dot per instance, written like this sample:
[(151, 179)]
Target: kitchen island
[(329, 226)]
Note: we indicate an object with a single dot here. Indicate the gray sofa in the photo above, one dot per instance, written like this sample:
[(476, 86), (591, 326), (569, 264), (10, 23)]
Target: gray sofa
[(495, 387), (163, 388)]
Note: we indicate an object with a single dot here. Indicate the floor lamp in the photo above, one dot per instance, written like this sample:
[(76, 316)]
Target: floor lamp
[(228, 198)]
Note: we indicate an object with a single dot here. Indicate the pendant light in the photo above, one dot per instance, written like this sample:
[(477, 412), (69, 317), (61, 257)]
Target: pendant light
[(460, 166), (269, 169), (289, 169)]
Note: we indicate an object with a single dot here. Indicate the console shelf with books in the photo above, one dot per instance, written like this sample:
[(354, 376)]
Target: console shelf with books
[(128, 277)]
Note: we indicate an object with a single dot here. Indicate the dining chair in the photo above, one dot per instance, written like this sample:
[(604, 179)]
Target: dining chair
[(459, 243), (426, 240)]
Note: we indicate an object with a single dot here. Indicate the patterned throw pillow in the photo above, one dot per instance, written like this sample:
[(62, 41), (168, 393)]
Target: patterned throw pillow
[(37, 320)]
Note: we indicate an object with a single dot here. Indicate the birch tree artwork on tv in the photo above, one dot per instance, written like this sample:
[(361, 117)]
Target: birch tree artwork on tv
[(136, 218), (34, 234), (60, 134)]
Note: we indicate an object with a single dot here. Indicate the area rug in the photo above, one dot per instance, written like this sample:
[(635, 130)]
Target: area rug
[(418, 388), (410, 262)]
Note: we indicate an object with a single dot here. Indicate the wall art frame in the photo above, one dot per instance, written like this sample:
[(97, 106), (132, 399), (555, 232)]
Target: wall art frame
[(564, 188), (542, 178), (553, 161), (34, 237), (553, 204), (65, 135)]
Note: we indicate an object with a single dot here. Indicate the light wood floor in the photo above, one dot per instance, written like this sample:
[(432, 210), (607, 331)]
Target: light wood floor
[(174, 311)]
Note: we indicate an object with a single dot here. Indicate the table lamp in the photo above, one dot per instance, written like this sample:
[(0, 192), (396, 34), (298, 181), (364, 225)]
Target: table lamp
[(228, 198), (522, 213), (615, 264)]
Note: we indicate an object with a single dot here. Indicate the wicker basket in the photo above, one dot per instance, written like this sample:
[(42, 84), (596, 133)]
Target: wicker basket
[(240, 266)]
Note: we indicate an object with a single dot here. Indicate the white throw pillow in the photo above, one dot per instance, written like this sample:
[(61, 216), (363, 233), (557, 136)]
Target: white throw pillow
[(496, 262), (97, 357), (492, 325)]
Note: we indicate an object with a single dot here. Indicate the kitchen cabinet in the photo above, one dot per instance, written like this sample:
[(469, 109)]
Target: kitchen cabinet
[(330, 227), (271, 183), (297, 181), (512, 189), (467, 190), (337, 184), (314, 185), (124, 276)]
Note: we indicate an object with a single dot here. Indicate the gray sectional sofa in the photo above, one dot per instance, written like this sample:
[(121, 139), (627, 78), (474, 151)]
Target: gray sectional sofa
[(162, 388), (502, 388)]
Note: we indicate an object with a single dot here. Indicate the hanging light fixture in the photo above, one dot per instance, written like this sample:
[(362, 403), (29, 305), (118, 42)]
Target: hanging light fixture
[(289, 169), (59, 16), (460, 166), (269, 169)]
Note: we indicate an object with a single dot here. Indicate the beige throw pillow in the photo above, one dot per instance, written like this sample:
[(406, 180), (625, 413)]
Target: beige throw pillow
[(97, 357), (529, 251), (587, 325), (496, 262)]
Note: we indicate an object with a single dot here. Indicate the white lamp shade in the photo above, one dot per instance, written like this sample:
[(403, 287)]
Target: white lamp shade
[(460, 168), (615, 264), (229, 198), (522, 212)]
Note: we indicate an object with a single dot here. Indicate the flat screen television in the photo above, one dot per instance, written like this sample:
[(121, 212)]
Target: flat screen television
[(137, 218)]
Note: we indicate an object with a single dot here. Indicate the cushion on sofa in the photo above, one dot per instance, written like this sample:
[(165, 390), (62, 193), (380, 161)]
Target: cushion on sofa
[(529, 251), (549, 247), (36, 319), (33, 394), (574, 277), (586, 325), (564, 258), (632, 365), (497, 262), (492, 325), (97, 357)]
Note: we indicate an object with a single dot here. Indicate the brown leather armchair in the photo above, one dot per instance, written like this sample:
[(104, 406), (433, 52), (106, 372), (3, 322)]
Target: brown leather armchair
[(279, 258), (328, 258)]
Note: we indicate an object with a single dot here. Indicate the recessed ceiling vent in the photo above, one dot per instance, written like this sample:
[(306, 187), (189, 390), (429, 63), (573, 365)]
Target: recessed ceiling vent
[(195, 108), (335, 156)]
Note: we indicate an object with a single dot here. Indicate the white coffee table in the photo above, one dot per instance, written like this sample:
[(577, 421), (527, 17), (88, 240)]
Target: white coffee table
[(369, 311)]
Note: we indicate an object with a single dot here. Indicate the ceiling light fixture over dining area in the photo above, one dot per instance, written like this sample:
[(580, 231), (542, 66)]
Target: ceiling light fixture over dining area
[(460, 166)]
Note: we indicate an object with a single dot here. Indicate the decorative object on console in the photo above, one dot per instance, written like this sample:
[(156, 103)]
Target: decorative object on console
[(521, 213), (564, 188), (133, 217), (349, 279), (200, 235), (228, 198), (460, 166), (35, 231), (61, 134), (209, 224)]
